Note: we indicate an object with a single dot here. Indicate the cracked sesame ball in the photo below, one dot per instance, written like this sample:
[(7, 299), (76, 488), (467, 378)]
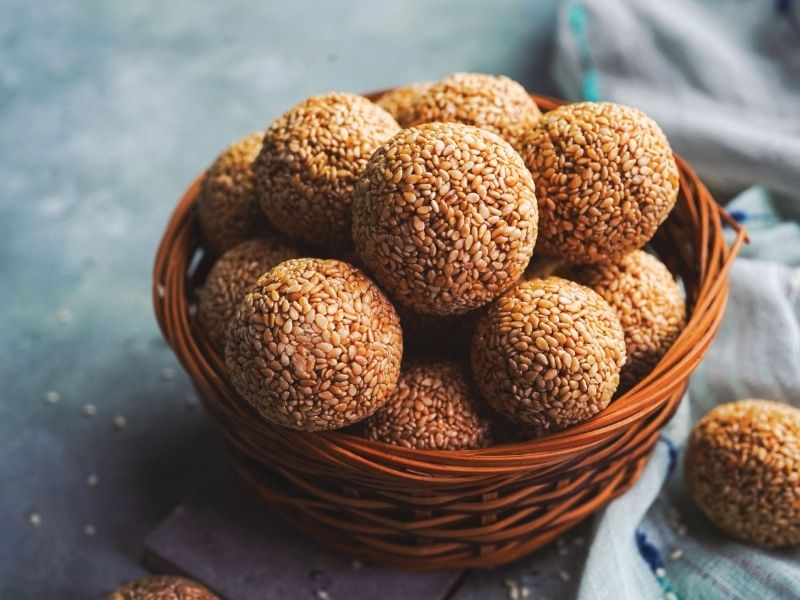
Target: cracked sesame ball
[(314, 345), (445, 217), (742, 468), (548, 354), (495, 103), (162, 587), (227, 204), (605, 178), (433, 407), (310, 160), (401, 102), (648, 301), (231, 277)]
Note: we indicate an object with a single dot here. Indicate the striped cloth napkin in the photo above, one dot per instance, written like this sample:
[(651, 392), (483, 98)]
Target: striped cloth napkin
[(723, 80)]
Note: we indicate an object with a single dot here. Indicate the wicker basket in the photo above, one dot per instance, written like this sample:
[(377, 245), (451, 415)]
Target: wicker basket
[(425, 510)]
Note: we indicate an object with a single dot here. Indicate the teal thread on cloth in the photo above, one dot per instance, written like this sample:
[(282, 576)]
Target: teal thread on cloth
[(590, 82)]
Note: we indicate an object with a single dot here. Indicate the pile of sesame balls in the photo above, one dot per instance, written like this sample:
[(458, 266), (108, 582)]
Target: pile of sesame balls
[(448, 267), (377, 262)]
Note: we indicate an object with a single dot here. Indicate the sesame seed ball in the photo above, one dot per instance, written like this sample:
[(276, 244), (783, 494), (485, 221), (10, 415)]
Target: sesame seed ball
[(548, 354), (314, 345), (433, 407), (445, 217), (491, 102), (162, 587), (648, 301), (401, 102), (605, 177), (234, 273), (310, 160), (447, 335), (742, 468), (227, 205)]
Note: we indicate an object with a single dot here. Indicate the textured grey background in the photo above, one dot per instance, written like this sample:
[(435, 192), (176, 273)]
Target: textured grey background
[(107, 111)]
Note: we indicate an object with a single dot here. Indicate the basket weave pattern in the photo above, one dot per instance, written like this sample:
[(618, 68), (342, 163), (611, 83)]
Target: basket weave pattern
[(422, 509)]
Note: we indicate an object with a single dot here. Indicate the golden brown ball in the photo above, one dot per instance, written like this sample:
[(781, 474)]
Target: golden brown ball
[(433, 407), (649, 303), (742, 468), (227, 204), (314, 345), (495, 103), (401, 102), (605, 178), (548, 354), (310, 160), (445, 217), (234, 273), (162, 587)]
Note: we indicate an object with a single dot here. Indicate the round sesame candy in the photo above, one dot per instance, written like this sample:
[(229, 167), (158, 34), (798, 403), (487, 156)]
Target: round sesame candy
[(447, 335), (314, 345), (401, 102), (494, 103), (548, 354), (742, 468), (648, 301), (309, 163), (605, 178), (227, 205), (433, 407), (445, 217), (162, 587), (231, 277)]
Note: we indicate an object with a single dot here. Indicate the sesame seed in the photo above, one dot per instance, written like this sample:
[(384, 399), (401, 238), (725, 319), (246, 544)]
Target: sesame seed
[(35, 519), (322, 595), (89, 410), (89, 529), (676, 554), (660, 572), (564, 575), (167, 374), (92, 480), (119, 422), (670, 596), (64, 316), (52, 397)]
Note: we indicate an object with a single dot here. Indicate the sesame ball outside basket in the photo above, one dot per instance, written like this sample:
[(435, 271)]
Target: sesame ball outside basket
[(445, 217), (162, 587), (401, 102), (742, 468), (234, 273), (433, 407), (605, 178), (228, 206), (315, 345), (491, 102), (310, 160), (548, 354), (648, 301)]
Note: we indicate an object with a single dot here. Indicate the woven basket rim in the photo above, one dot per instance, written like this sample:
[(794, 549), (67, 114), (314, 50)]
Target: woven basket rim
[(669, 374)]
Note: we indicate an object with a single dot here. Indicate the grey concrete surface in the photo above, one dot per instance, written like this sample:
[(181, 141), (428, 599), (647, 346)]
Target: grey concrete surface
[(107, 110)]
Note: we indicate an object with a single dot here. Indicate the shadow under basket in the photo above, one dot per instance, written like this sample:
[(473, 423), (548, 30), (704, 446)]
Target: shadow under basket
[(421, 509)]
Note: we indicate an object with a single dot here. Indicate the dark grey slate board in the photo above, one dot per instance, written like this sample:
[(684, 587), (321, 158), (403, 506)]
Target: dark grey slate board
[(225, 537)]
